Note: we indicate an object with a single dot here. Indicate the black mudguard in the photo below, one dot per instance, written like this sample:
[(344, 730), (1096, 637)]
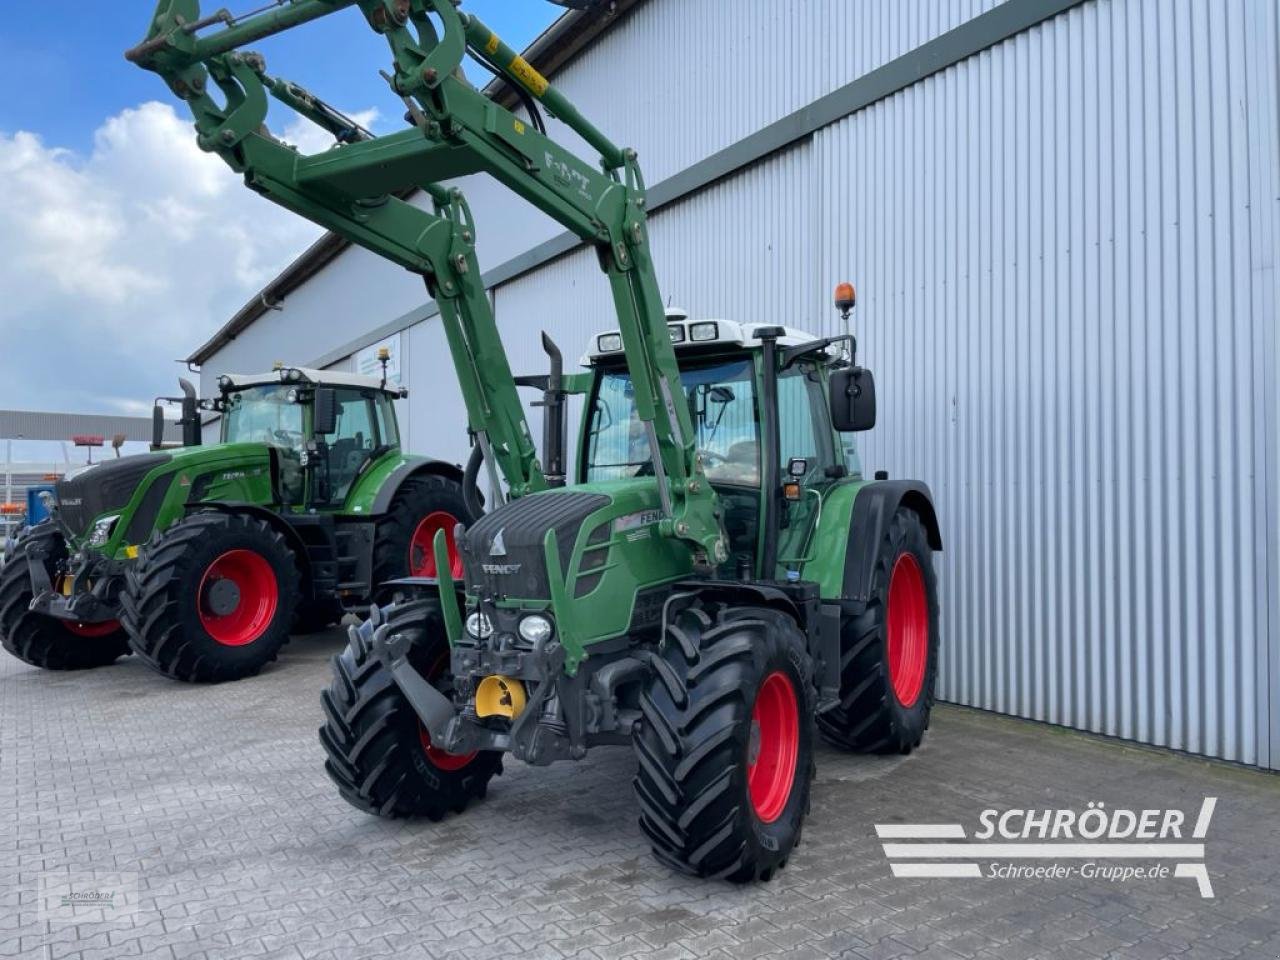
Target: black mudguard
[(439, 468), (873, 508)]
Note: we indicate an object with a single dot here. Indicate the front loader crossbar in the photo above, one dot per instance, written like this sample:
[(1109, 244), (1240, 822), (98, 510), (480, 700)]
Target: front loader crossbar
[(358, 188)]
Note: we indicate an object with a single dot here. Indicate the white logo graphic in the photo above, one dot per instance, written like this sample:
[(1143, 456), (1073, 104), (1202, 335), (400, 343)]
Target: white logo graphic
[(1079, 844), (498, 548)]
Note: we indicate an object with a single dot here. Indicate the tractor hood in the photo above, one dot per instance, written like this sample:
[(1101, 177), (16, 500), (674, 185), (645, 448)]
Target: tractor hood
[(91, 491), (607, 548)]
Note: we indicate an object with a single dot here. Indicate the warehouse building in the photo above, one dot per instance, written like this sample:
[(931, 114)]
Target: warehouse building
[(1061, 218)]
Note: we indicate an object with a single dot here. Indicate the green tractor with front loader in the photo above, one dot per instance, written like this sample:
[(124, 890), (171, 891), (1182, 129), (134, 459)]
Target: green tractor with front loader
[(202, 559), (718, 582)]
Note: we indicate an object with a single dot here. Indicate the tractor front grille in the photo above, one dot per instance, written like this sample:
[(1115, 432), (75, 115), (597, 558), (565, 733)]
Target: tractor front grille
[(503, 554), (102, 488)]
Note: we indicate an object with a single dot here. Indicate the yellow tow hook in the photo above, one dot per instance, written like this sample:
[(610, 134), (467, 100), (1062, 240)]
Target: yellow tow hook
[(498, 696)]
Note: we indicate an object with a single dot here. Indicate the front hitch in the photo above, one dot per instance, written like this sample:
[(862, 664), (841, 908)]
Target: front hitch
[(432, 707)]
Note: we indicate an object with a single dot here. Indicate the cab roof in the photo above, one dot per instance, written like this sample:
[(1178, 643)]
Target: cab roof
[(308, 375), (687, 334)]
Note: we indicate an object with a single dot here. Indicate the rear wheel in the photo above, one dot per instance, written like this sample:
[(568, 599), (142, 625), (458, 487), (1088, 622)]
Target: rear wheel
[(725, 747), (422, 506), (377, 750), (41, 640), (211, 598), (889, 649)]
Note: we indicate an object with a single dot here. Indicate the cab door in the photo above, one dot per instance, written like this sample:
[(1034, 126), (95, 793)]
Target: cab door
[(807, 460), (343, 453)]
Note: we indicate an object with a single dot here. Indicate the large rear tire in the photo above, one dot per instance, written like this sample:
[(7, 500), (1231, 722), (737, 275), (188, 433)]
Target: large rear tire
[(377, 751), (403, 546), (211, 598), (41, 640), (725, 746), (889, 649)]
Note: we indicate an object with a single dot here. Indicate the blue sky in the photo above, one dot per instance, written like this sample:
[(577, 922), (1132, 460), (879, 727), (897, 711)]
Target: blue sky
[(122, 247), (72, 73)]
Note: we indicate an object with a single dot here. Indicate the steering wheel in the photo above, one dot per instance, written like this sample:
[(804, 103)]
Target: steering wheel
[(288, 437), (710, 456)]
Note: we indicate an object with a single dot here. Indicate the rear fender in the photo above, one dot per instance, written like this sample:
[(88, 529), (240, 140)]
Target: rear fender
[(873, 508), (376, 487)]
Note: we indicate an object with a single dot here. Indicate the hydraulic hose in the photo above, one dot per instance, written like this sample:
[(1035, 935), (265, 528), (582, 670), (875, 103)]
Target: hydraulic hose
[(470, 488)]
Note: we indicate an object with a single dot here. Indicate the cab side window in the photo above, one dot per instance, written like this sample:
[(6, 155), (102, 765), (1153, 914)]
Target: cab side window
[(804, 427), (351, 442)]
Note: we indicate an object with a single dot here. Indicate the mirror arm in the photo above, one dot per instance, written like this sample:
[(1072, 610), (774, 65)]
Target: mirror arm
[(791, 354)]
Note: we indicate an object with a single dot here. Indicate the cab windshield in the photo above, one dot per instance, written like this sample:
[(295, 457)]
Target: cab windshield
[(263, 414), (722, 406)]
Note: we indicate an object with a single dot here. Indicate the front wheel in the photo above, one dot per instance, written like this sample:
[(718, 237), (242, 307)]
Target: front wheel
[(377, 750), (211, 598), (41, 640), (889, 649), (725, 746)]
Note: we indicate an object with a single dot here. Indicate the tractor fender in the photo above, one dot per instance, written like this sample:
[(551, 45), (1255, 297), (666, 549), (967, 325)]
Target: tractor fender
[(414, 467), (873, 508), (273, 520)]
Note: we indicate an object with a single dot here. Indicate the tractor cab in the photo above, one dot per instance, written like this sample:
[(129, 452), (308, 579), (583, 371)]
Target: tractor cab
[(324, 427), (733, 391)]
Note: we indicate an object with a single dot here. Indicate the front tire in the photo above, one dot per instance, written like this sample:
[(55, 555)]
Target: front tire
[(889, 649), (725, 747), (377, 751), (211, 598), (41, 640)]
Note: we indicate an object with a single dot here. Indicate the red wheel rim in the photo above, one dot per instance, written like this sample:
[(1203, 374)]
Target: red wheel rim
[(257, 595), (441, 759), (775, 743), (422, 554), (908, 629), (92, 629)]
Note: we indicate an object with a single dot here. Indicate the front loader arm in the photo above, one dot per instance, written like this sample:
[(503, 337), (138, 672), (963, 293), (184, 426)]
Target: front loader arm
[(355, 191)]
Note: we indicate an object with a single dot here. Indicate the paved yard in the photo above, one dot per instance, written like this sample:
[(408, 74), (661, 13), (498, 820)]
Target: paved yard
[(213, 804)]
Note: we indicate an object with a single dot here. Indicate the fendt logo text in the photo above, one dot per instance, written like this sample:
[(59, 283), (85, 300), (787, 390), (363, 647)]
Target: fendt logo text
[(1096, 843)]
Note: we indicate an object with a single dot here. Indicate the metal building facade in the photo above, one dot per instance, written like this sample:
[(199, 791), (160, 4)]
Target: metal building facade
[(1062, 221)]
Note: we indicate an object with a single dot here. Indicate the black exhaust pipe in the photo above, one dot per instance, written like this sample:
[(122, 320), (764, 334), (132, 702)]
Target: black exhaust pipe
[(157, 427), (191, 432)]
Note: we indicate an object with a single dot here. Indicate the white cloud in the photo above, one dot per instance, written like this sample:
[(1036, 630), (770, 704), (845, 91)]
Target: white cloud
[(114, 264)]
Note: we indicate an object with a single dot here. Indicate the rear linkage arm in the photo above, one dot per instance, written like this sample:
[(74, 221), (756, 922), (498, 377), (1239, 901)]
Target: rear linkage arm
[(356, 191)]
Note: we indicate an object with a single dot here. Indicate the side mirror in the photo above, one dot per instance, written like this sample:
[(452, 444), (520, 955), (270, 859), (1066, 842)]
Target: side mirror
[(853, 399), (326, 411)]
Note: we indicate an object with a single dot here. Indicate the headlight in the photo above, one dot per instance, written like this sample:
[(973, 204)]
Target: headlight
[(479, 626), (102, 530), (535, 628), (704, 331), (609, 342)]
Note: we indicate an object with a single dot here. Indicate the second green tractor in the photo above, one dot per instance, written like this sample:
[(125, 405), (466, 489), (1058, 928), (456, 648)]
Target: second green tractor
[(201, 559)]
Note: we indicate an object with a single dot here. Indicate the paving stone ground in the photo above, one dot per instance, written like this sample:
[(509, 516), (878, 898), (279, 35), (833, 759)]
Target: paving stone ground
[(216, 800)]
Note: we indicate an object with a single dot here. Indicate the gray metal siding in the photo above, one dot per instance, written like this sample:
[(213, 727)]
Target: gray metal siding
[(1066, 298)]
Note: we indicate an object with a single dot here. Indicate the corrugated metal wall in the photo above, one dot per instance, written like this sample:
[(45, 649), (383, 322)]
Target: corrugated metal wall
[(1060, 267)]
